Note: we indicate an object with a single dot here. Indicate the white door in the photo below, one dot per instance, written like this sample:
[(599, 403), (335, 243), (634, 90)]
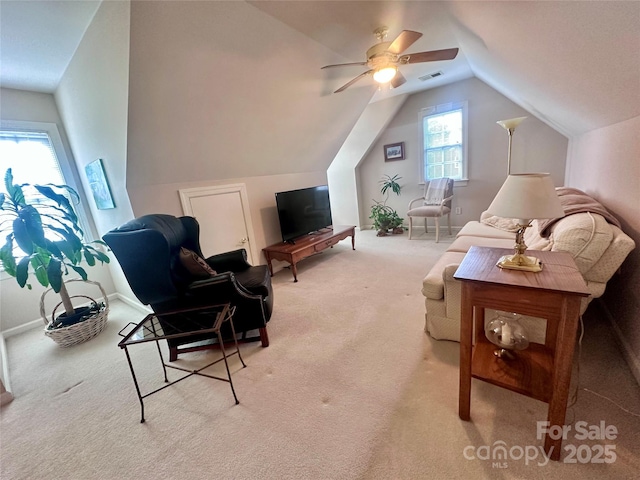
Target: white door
[(224, 218)]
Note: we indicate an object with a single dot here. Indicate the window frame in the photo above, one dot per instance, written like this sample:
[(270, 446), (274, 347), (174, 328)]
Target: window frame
[(438, 110)]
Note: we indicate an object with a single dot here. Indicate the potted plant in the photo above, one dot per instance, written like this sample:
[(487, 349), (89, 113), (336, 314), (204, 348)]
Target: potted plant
[(384, 217), (43, 237)]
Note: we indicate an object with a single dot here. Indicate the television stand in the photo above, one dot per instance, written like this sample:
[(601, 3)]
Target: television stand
[(308, 245)]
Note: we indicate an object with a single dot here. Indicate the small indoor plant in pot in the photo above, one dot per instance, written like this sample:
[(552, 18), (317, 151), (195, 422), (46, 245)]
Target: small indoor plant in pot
[(43, 238), (384, 217)]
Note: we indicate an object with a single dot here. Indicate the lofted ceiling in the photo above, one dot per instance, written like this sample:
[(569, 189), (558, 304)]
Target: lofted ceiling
[(575, 65), (347, 28), (38, 39)]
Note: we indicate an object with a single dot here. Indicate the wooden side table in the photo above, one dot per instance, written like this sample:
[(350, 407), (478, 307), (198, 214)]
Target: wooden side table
[(541, 371)]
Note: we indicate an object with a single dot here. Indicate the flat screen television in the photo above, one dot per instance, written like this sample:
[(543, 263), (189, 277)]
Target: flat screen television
[(303, 211)]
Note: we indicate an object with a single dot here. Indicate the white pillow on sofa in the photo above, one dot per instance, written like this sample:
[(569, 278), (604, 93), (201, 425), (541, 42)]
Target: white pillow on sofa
[(501, 223)]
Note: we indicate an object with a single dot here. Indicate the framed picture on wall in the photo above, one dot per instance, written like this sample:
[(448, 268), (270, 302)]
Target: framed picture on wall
[(394, 151), (99, 185)]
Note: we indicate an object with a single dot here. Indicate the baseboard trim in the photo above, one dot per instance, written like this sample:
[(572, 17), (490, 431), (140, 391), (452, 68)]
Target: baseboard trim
[(432, 228), (25, 327), (627, 352), (132, 303)]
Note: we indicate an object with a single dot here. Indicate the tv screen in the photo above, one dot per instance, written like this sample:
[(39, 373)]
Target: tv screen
[(303, 211)]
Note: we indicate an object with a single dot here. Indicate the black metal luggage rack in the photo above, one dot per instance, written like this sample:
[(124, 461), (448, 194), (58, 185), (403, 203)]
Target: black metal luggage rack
[(155, 327)]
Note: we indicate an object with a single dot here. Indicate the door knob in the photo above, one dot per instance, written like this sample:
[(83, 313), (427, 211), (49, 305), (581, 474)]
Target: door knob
[(243, 241)]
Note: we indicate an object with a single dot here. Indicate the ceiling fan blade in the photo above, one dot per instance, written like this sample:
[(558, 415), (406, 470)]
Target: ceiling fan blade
[(347, 85), (432, 56), (398, 80), (403, 41), (344, 65)]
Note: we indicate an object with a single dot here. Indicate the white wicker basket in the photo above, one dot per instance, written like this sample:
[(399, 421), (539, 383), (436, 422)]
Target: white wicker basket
[(78, 332)]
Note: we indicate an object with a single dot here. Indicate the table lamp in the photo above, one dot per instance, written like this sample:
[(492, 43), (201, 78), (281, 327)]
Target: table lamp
[(525, 197)]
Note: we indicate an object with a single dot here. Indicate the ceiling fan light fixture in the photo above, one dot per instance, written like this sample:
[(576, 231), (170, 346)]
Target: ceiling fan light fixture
[(385, 74), (384, 58)]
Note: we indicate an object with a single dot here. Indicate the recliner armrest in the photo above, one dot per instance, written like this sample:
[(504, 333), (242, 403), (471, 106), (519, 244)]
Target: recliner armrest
[(233, 261), (199, 287)]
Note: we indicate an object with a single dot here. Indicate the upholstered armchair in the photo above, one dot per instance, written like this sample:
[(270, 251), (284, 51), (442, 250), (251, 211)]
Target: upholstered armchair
[(161, 258)]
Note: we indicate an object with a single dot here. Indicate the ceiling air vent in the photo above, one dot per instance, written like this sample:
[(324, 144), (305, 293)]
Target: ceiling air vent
[(429, 76)]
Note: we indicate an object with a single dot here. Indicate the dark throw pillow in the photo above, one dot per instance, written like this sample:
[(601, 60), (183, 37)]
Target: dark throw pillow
[(195, 264)]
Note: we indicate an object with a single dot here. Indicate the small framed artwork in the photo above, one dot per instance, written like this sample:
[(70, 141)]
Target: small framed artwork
[(394, 151), (99, 185)]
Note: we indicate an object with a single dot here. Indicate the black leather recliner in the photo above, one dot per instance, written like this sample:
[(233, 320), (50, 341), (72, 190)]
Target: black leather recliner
[(148, 250)]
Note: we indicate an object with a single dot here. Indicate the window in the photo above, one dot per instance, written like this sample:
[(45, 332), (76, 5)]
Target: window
[(444, 142), (35, 155), (30, 156)]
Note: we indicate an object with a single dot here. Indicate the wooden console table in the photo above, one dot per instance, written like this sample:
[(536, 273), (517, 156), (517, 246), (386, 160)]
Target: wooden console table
[(308, 245), (541, 371)]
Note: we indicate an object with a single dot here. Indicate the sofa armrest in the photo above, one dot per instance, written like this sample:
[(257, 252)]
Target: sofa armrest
[(433, 283), (452, 291)]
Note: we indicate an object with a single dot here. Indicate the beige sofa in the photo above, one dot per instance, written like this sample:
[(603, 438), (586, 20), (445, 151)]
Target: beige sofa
[(597, 246)]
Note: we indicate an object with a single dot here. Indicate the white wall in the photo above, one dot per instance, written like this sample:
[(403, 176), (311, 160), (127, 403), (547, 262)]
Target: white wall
[(93, 102), (260, 192), (31, 107), (221, 90), (222, 93), (93, 97), (536, 148), (341, 174), (605, 163)]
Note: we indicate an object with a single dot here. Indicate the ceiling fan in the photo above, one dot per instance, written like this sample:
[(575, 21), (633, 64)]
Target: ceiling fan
[(384, 57)]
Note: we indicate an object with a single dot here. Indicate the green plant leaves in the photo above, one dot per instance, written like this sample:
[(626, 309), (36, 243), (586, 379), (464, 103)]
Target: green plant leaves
[(7, 258), (40, 263), (44, 225), (390, 183), (33, 224), (54, 274), (90, 252), (21, 236), (384, 217), (22, 271), (80, 271), (14, 192)]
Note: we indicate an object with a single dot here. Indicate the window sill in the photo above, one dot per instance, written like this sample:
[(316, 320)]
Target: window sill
[(456, 183)]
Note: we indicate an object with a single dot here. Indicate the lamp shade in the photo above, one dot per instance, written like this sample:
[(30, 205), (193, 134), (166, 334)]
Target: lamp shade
[(527, 196), (511, 123)]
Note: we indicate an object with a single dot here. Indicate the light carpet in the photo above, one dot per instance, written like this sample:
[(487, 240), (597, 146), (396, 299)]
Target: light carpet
[(350, 388)]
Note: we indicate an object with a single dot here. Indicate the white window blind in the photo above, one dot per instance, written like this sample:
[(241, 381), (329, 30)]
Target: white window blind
[(31, 157)]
